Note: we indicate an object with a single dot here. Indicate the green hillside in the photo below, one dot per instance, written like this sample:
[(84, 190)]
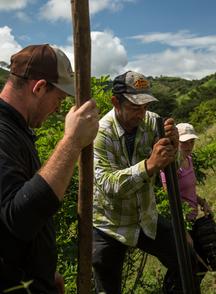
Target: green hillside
[(186, 100)]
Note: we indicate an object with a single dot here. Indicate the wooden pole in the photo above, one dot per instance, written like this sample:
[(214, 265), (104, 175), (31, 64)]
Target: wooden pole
[(82, 57)]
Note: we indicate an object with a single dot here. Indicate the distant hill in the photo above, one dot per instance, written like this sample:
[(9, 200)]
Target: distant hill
[(184, 89), (179, 97)]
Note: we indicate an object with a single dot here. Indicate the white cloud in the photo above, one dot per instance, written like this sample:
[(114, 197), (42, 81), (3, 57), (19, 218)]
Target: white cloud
[(194, 60), (108, 54), (188, 55), (58, 10), (96, 6), (21, 15), (114, 5), (54, 10), (179, 39), (13, 4), (183, 62), (8, 45)]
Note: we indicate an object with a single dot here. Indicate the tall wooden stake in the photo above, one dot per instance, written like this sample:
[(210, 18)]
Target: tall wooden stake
[(82, 57)]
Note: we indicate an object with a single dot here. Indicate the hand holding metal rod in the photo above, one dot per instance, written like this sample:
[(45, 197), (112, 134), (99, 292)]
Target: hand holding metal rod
[(184, 258)]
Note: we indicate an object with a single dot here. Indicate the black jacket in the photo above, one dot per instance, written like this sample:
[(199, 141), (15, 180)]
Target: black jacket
[(27, 203)]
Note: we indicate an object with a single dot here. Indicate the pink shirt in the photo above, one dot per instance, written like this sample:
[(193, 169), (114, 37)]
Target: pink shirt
[(187, 187)]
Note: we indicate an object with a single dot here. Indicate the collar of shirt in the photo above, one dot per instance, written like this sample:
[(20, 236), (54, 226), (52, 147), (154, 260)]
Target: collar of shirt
[(9, 111)]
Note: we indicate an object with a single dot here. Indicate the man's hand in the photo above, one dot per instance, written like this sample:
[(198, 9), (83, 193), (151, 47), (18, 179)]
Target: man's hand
[(81, 125), (162, 154), (171, 132)]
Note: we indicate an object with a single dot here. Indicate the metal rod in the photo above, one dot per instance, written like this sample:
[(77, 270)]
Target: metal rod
[(82, 57), (184, 257)]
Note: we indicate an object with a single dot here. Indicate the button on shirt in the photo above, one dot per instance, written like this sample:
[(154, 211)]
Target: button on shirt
[(124, 200)]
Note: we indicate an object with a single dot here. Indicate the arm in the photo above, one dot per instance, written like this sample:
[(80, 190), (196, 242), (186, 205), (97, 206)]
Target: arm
[(112, 172), (165, 150), (36, 197), (81, 126)]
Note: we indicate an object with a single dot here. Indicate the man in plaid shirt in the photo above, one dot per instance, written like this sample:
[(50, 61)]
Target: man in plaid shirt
[(127, 159)]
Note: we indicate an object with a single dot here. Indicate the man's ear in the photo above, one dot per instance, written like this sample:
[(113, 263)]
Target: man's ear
[(115, 102), (39, 88)]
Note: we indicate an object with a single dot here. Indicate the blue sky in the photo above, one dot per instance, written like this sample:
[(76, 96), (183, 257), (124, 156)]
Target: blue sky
[(155, 37)]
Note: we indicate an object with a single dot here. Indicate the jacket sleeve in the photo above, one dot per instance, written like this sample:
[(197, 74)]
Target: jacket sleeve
[(26, 201)]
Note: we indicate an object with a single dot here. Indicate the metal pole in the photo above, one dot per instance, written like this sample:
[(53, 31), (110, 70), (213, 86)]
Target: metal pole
[(184, 257), (82, 57)]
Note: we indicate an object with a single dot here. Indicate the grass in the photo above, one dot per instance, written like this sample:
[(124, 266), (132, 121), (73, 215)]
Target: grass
[(208, 190), (208, 136)]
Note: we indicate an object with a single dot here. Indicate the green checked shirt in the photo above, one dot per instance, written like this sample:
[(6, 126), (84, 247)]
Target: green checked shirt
[(124, 200)]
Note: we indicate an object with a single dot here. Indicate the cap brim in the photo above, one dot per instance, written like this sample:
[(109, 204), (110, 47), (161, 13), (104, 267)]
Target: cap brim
[(187, 137), (68, 89), (140, 99)]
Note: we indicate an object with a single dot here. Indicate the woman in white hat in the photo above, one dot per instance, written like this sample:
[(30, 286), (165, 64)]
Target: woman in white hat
[(187, 188), (186, 174)]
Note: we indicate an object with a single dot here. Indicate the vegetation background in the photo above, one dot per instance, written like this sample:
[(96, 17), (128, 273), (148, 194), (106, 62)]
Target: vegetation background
[(186, 101)]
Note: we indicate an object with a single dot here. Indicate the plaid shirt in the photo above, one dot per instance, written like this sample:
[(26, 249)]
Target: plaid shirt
[(124, 201)]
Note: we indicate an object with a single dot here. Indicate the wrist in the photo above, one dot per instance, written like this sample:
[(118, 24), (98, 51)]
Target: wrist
[(150, 168), (69, 144)]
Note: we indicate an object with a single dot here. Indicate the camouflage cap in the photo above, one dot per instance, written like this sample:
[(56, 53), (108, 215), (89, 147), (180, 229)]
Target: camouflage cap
[(133, 86)]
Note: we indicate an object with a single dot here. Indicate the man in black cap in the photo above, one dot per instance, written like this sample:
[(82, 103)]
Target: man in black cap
[(40, 78), (127, 159)]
